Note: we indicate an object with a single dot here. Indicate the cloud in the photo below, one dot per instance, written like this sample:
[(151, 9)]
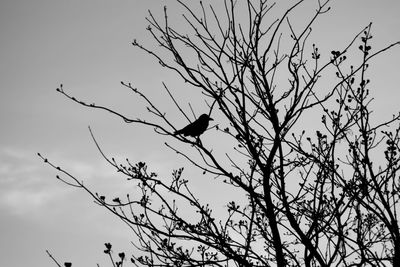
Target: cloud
[(25, 186), (28, 187), (30, 192)]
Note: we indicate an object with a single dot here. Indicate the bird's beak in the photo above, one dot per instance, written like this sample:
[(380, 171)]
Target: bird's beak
[(210, 119)]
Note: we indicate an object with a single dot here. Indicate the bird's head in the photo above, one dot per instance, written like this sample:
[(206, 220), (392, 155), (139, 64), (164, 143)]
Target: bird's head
[(205, 117)]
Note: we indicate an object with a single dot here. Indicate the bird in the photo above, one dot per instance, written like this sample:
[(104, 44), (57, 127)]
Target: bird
[(196, 128)]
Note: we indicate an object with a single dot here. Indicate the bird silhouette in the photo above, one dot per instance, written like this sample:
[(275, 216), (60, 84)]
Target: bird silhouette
[(195, 128)]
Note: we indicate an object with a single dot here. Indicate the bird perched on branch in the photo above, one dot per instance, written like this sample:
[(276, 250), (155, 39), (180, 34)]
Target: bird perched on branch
[(196, 128)]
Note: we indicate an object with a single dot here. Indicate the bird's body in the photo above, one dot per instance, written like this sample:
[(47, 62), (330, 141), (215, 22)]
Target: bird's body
[(196, 128)]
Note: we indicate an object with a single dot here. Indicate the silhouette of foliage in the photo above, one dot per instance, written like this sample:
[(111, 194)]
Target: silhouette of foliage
[(322, 196)]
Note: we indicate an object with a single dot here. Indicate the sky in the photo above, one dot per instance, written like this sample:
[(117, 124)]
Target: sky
[(86, 46)]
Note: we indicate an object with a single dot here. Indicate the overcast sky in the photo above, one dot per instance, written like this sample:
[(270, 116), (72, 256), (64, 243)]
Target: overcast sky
[(85, 44)]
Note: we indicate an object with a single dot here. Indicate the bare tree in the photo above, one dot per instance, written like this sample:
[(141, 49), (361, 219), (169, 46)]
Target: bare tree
[(322, 196)]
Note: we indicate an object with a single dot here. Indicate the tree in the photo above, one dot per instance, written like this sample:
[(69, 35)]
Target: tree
[(327, 196)]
